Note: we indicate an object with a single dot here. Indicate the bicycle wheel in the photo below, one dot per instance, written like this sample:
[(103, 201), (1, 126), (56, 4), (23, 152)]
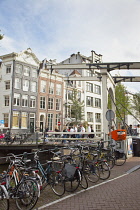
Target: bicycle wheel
[(110, 160), (93, 173), (57, 183), (83, 182), (120, 159), (104, 170), (4, 199), (27, 194), (71, 184)]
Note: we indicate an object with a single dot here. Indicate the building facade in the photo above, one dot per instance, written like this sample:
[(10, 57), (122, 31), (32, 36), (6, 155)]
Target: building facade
[(18, 85), (50, 100), (90, 91)]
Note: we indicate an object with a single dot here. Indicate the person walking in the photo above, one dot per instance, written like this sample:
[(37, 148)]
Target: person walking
[(82, 130), (92, 135), (130, 130), (89, 130), (138, 130)]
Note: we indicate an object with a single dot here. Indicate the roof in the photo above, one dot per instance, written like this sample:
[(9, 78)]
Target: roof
[(75, 72)]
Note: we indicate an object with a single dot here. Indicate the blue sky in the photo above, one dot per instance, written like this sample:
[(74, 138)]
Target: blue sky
[(55, 29)]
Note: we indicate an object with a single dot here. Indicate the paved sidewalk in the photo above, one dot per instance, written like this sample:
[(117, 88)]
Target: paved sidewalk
[(120, 192)]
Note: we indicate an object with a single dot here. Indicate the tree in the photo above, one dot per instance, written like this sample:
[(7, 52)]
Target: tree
[(136, 103), (123, 102), (1, 36), (76, 107)]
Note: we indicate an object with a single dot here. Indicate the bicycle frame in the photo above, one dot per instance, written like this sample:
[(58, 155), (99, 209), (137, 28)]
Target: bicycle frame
[(43, 172)]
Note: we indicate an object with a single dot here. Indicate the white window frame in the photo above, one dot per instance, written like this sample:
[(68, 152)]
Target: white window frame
[(15, 115), (50, 121), (24, 120), (34, 73), (8, 69), (58, 104), (42, 102), (32, 101), (17, 83), (6, 120), (18, 68), (97, 89), (97, 102), (33, 86), (7, 85), (50, 103), (51, 88), (16, 99), (6, 100), (24, 100), (43, 86), (89, 101), (25, 85), (26, 71), (58, 89), (98, 117), (90, 116)]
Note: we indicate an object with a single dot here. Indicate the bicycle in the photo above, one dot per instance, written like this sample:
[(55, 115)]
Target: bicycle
[(50, 176), (73, 175), (23, 189), (4, 197)]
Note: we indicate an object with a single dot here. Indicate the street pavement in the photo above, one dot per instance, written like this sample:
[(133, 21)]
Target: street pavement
[(121, 191)]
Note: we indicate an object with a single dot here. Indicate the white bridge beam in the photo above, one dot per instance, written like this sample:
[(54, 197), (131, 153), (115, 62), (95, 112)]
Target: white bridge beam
[(94, 78)]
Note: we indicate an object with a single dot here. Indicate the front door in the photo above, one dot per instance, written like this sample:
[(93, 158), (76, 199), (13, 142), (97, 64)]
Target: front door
[(32, 125)]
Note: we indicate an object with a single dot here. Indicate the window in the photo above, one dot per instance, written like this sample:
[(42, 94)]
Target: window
[(57, 119), (98, 102), (33, 87), (6, 120), (70, 94), (24, 100), (16, 99), (50, 122), (32, 102), (89, 87), (25, 85), (26, 71), (34, 73), (98, 129), (42, 102), (17, 83), (90, 116), (7, 85), (58, 89), (97, 89), (79, 83), (51, 88), (15, 123), (6, 100), (89, 101), (43, 86), (89, 73), (24, 120), (8, 69), (50, 103), (98, 117), (58, 104), (18, 68)]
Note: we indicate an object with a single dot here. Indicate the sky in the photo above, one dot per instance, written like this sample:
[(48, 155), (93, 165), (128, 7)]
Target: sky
[(55, 29)]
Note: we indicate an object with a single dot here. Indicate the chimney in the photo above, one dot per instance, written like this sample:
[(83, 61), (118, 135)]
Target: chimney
[(92, 56)]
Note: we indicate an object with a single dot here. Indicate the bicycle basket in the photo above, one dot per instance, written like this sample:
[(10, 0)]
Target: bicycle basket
[(69, 171), (119, 154)]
